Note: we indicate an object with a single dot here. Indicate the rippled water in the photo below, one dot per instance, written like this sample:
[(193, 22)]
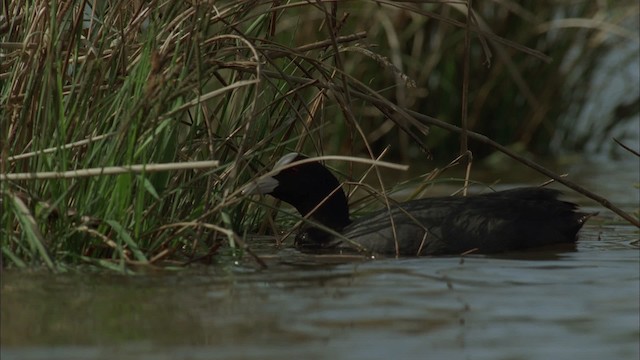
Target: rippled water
[(577, 303)]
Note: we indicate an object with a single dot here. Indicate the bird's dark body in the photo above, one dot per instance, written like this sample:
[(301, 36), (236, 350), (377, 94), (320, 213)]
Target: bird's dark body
[(496, 222), (500, 221)]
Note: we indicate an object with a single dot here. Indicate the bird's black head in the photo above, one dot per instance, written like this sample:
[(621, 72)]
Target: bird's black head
[(305, 186)]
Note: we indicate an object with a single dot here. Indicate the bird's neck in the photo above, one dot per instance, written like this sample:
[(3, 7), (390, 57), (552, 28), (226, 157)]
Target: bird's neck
[(332, 213)]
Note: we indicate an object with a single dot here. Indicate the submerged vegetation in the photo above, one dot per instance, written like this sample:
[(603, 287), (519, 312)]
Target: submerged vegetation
[(96, 95)]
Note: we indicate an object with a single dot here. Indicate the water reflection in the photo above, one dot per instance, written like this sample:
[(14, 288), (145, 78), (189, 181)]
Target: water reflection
[(580, 303)]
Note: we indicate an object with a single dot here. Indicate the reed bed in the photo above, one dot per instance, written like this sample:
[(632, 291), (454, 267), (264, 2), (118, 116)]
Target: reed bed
[(129, 127)]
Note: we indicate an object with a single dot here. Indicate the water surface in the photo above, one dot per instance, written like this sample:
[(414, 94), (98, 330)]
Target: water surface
[(562, 304)]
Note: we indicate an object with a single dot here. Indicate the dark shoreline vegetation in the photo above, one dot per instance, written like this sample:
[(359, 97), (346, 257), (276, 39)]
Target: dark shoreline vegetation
[(128, 130)]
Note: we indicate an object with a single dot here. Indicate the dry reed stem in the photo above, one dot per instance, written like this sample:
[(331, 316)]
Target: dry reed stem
[(110, 170)]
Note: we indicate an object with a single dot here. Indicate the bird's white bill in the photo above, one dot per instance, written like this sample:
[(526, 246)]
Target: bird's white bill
[(266, 184), (261, 186), (285, 160)]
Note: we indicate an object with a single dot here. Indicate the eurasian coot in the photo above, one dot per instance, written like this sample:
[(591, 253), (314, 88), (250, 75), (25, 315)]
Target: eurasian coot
[(489, 223)]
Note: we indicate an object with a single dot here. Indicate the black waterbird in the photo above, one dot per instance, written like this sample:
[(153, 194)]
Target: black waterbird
[(495, 222)]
